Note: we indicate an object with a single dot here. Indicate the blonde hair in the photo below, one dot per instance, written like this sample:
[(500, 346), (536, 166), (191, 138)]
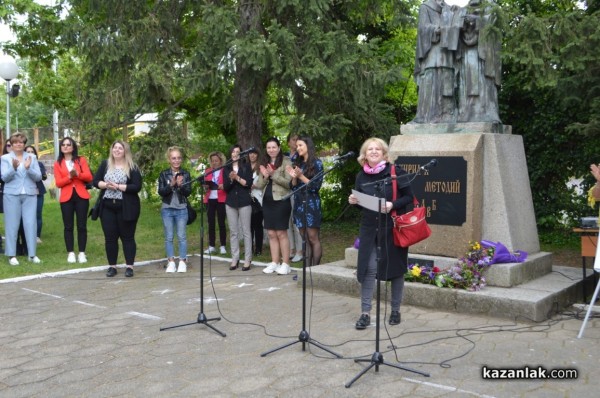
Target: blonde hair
[(18, 137), (362, 158), (129, 163), (173, 149), (218, 154)]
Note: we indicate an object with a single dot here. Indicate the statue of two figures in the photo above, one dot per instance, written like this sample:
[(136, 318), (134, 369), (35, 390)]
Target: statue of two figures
[(458, 66)]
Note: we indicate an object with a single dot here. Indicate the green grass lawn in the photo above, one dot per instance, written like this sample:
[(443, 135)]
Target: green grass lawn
[(150, 242)]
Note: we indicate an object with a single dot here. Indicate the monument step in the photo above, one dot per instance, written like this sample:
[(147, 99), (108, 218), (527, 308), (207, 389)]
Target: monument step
[(500, 275), (535, 300)]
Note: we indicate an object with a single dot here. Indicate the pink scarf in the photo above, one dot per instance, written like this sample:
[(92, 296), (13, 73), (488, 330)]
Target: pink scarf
[(375, 170)]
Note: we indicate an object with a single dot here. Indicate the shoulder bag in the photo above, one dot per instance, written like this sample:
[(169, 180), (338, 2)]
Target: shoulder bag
[(409, 228), (192, 214)]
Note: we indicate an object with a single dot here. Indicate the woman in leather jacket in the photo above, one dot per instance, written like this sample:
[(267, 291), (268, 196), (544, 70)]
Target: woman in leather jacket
[(174, 186)]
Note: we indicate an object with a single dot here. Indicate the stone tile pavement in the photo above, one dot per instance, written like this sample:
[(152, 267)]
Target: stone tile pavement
[(85, 335)]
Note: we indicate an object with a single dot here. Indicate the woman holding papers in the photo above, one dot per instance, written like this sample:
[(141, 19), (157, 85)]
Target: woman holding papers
[(376, 229)]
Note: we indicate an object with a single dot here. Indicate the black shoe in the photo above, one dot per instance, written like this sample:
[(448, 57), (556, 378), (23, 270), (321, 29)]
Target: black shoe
[(246, 268), (363, 322), (129, 272), (234, 267), (112, 271), (394, 318)]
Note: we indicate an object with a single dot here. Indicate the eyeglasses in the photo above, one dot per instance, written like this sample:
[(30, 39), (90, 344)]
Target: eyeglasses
[(29, 151), (66, 144)]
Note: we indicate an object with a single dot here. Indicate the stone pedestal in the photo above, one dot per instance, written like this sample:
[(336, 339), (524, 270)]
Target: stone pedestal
[(497, 193)]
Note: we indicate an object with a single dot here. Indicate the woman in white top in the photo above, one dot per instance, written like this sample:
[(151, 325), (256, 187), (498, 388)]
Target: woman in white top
[(215, 202)]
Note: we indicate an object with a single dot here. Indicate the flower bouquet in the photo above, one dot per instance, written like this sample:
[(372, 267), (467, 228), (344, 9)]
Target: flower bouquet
[(465, 274)]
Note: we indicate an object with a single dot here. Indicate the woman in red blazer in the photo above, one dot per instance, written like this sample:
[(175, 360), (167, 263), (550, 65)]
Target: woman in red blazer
[(71, 173), (215, 201)]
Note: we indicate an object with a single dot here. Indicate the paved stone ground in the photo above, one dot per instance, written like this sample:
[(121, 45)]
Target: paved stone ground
[(85, 335)]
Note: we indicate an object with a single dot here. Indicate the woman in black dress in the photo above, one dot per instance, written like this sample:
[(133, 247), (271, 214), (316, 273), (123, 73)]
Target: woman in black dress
[(306, 166), (274, 180)]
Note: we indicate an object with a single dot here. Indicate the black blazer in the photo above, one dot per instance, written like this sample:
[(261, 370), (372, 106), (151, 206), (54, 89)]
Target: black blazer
[(131, 199), (238, 195)]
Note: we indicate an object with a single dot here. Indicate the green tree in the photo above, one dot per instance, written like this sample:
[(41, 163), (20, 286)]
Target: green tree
[(339, 71), (550, 96)]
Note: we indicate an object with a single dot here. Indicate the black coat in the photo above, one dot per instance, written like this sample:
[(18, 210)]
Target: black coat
[(131, 199), (394, 259)]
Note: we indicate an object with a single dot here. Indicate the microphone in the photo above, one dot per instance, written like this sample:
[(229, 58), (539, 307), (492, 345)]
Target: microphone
[(432, 163), (344, 157), (247, 151)]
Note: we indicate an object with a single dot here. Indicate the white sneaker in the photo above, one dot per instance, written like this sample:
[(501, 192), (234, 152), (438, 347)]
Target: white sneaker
[(182, 267), (210, 250), (297, 258), (283, 269), (82, 258), (271, 268), (223, 251), (38, 241), (35, 260), (171, 266), (71, 258), (13, 261)]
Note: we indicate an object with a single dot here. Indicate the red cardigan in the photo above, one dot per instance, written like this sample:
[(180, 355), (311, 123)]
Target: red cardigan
[(64, 181), (221, 194)]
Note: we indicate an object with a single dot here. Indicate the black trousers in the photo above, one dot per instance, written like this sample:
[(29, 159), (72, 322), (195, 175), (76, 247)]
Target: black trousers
[(257, 230), (115, 228), (216, 210), (76, 206)]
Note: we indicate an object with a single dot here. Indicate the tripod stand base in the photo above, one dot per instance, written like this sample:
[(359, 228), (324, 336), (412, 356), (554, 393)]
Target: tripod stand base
[(201, 319), (377, 360), (303, 338)]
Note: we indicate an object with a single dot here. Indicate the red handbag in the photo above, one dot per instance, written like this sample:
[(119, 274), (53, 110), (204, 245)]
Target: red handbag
[(409, 228)]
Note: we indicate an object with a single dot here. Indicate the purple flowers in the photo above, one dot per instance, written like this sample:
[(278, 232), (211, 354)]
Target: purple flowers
[(465, 274)]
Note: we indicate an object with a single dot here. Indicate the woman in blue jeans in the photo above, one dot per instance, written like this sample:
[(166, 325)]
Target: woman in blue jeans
[(174, 186)]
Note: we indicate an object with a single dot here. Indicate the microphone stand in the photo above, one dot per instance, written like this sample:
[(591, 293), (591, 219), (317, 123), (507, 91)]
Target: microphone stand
[(304, 336), (377, 357), (201, 316)]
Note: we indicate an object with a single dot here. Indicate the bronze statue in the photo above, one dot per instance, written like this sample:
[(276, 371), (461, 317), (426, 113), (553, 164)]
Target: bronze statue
[(479, 66), (457, 66), (437, 41)]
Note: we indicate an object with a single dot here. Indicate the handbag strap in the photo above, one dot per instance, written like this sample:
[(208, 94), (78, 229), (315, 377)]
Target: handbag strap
[(394, 189), (395, 192)]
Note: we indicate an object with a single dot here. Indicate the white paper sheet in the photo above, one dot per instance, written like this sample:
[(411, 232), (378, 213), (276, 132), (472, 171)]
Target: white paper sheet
[(368, 202)]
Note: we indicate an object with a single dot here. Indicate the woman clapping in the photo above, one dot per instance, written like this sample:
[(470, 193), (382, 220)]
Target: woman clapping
[(174, 186), (307, 216), (121, 181), (237, 183), (71, 173), (275, 183)]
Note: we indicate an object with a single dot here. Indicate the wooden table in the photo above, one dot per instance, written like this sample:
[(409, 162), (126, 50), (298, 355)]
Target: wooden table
[(589, 242)]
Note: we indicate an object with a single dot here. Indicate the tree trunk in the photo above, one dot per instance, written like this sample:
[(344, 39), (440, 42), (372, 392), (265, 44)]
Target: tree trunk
[(250, 86)]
